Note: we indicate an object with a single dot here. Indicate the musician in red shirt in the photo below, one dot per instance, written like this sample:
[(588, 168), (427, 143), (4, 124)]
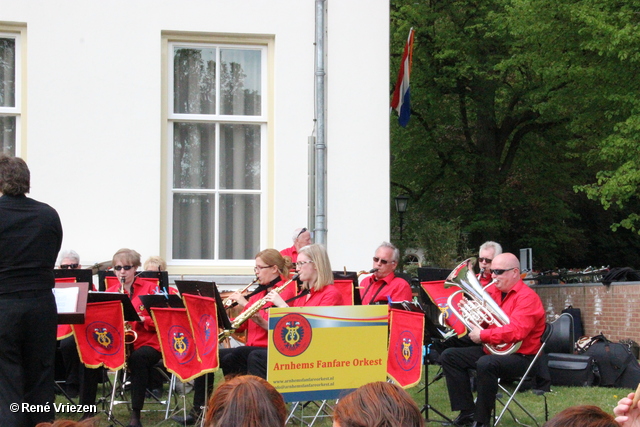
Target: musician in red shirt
[(272, 271), (383, 283), (488, 251), (301, 238), (527, 323)]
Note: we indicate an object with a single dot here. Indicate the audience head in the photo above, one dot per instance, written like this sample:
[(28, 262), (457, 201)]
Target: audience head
[(246, 401), (385, 260), (582, 416), (90, 422), (278, 264), (155, 263), (69, 259), (508, 266), (15, 178), (377, 404), (314, 267), (488, 251), (301, 238)]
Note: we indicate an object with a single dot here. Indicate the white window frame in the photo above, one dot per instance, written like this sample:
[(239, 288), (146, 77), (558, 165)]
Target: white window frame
[(16, 111), (215, 265)]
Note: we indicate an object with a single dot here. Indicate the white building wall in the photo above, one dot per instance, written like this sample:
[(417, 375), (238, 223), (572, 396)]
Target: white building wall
[(94, 126)]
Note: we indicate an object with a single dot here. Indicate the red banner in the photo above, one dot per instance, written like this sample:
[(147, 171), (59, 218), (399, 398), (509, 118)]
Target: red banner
[(100, 338), (176, 342), (440, 295), (404, 363), (204, 326), (346, 289)]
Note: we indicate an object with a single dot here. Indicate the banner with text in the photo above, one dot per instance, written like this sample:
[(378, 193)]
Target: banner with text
[(318, 353)]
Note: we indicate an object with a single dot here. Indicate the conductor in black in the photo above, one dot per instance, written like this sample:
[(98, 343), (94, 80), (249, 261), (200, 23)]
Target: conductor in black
[(30, 238)]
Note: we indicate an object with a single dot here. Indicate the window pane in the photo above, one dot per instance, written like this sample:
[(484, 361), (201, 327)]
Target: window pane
[(239, 226), (7, 72), (240, 84), (194, 151), (8, 135), (240, 157), (194, 79), (193, 226)]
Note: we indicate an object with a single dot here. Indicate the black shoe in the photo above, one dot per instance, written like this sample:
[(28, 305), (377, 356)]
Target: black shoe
[(463, 420), (477, 424), (189, 420)]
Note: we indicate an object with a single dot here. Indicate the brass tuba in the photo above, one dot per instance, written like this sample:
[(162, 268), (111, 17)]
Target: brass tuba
[(480, 310)]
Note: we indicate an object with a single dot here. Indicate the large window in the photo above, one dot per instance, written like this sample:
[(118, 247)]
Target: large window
[(9, 92), (217, 135)]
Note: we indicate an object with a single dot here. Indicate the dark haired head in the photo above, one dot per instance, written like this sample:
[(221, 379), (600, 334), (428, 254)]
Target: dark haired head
[(246, 401), (15, 179)]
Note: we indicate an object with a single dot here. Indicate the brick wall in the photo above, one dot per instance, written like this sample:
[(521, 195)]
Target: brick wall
[(613, 311)]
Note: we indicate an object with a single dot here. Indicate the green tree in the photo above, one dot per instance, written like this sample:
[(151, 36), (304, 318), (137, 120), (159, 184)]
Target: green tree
[(512, 101)]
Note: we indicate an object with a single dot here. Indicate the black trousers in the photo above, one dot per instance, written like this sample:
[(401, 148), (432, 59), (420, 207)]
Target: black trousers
[(233, 361), (456, 363), (258, 363), (141, 364), (28, 322)]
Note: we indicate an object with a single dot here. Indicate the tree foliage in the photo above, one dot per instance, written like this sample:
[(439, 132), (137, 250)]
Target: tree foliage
[(516, 105)]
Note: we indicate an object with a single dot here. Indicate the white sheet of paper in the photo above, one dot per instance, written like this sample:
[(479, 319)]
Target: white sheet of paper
[(66, 299)]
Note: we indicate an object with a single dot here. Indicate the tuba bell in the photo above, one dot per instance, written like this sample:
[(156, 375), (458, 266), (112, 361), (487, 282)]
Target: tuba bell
[(480, 310)]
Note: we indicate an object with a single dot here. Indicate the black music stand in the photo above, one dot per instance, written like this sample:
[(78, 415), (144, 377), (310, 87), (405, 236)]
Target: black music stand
[(130, 313), (161, 301), (80, 274), (77, 312), (353, 276), (206, 289)]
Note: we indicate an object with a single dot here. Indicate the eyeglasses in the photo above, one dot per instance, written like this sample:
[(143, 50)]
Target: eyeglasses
[(71, 266), (301, 263), (301, 231), (381, 261), (500, 271), (257, 268), (487, 260), (123, 267)]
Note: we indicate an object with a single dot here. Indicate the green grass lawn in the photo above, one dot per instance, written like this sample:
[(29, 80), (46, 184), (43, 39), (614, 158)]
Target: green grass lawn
[(558, 399)]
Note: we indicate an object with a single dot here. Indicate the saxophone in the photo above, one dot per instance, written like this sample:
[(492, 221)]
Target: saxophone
[(130, 336), (247, 314)]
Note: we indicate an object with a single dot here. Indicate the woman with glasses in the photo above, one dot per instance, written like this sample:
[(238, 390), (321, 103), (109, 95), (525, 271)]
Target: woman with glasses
[(317, 290), (146, 348), (272, 271)]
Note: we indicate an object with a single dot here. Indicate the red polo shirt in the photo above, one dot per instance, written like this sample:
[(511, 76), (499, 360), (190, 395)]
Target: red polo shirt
[(526, 316), (291, 253), (328, 295), (395, 287)]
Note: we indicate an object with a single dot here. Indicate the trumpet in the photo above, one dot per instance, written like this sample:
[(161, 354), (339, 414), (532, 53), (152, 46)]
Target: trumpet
[(228, 303), (247, 314)]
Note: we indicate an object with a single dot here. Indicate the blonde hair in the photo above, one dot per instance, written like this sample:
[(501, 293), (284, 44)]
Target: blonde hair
[(128, 256), (273, 257), (155, 263), (318, 254)]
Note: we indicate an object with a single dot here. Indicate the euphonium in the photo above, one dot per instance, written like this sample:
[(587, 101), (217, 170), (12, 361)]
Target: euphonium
[(227, 303), (255, 307), (480, 310)]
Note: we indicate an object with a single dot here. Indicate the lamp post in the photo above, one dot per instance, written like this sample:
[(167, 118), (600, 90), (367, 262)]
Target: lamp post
[(401, 207)]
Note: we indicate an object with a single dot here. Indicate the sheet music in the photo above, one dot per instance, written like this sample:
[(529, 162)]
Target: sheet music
[(66, 299)]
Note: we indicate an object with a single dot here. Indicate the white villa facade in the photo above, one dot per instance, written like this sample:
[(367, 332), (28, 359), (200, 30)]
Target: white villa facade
[(182, 128)]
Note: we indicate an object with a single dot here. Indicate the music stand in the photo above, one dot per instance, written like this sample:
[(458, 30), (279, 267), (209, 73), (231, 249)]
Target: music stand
[(130, 313), (353, 276), (161, 301), (206, 289), (80, 274), (73, 303)]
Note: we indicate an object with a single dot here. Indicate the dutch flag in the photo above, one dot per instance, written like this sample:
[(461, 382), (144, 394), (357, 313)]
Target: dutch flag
[(402, 95)]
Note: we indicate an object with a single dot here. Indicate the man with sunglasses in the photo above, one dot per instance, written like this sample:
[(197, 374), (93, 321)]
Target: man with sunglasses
[(383, 283), (301, 238), (526, 315), (488, 251)]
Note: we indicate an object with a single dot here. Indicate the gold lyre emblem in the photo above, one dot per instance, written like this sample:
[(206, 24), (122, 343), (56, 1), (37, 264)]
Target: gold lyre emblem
[(178, 343), (102, 337), (406, 348), (292, 336)]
